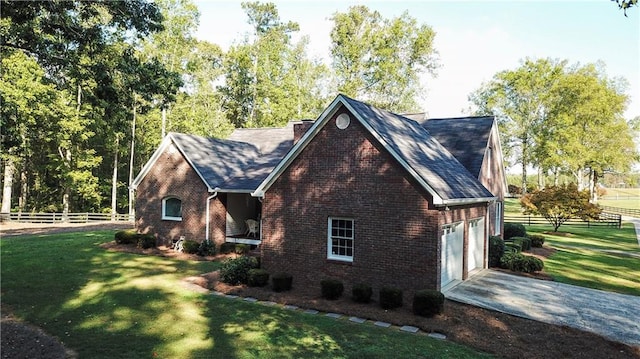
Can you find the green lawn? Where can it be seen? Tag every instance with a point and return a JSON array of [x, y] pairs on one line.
[[621, 203], [118, 305], [579, 258]]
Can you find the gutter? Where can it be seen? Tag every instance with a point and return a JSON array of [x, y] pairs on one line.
[[206, 236], [463, 201]]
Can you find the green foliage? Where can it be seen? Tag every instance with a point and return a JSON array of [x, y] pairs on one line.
[[381, 60], [190, 246], [428, 302], [518, 262], [146, 241], [523, 242], [558, 204], [496, 250], [128, 236], [331, 288], [537, 240], [390, 298], [237, 248], [258, 277], [361, 293], [514, 230], [281, 282], [235, 271], [207, 248]]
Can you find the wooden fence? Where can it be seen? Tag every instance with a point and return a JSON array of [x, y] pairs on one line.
[[25, 217], [606, 219], [631, 212]]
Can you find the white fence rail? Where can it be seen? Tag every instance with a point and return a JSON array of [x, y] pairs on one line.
[[25, 217]]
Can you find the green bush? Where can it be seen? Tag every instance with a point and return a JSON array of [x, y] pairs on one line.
[[207, 248], [128, 236], [390, 298], [518, 262], [258, 277], [510, 247], [235, 271], [523, 242], [331, 288], [146, 241], [281, 282], [428, 302], [361, 293], [190, 246], [242, 248], [496, 250], [514, 230], [537, 240], [227, 247]]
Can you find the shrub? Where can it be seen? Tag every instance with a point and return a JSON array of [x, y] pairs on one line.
[[128, 236], [428, 302], [361, 293], [514, 230], [537, 240], [258, 277], [496, 250], [227, 248], [281, 282], [207, 248], [190, 246], [146, 241], [523, 242], [518, 262], [390, 298], [511, 247], [331, 288], [235, 271], [242, 248]]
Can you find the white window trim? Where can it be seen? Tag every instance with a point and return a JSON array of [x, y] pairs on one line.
[[332, 256], [164, 209], [497, 219]]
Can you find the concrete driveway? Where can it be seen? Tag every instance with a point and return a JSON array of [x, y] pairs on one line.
[[615, 316]]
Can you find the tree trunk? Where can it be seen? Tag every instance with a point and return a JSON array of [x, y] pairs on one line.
[[593, 186], [133, 146], [164, 121], [114, 181], [541, 175], [24, 191], [556, 180], [7, 186], [524, 165]]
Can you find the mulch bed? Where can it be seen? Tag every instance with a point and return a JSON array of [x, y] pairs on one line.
[[488, 331]]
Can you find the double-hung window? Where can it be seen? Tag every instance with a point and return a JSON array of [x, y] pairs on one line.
[[172, 209], [340, 239], [498, 218]]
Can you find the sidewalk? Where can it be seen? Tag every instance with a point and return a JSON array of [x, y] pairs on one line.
[[636, 223]]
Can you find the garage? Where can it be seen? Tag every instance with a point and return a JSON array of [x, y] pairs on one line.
[[475, 253], [452, 253]]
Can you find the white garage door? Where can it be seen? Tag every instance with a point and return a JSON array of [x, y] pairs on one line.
[[451, 255], [475, 253]]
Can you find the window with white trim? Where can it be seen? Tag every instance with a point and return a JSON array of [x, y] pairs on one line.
[[498, 217], [340, 239], [172, 209]]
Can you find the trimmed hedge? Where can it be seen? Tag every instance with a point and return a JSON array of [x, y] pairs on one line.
[[237, 248], [258, 277], [128, 236], [331, 288], [190, 246], [361, 293], [514, 230], [146, 241], [496, 250], [518, 262], [537, 240], [281, 282], [390, 298], [236, 270], [428, 302], [207, 248]]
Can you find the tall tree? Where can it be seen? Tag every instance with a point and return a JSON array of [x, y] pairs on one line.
[[381, 60], [521, 98]]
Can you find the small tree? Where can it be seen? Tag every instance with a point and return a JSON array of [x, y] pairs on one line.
[[558, 204]]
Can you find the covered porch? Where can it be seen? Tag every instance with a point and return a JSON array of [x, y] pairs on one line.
[[244, 217]]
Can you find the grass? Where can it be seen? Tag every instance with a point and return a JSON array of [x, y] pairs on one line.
[[621, 203], [580, 259], [118, 305]]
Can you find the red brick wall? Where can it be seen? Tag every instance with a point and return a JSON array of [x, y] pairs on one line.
[[495, 182], [172, 176], [346, 173], [300, 128]]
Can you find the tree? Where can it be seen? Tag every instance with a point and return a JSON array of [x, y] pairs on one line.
[[626, 4], [559, 204], [521, 99], [381, 60]]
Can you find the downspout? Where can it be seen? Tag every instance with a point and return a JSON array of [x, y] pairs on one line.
[[206, 236]]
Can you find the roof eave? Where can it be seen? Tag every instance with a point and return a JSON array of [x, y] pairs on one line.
[[463, 201]]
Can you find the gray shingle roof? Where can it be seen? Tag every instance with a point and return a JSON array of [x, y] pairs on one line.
[[465, 137], [422, 152]]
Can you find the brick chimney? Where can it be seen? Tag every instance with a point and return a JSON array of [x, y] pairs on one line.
[[300, 128]]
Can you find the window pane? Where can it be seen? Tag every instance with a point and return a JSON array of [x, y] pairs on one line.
[[173, 207]]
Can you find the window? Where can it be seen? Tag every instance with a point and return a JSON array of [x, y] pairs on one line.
[[172, 209], [498, 218], [340, 239]]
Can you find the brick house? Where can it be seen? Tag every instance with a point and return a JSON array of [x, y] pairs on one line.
[[360, 194]]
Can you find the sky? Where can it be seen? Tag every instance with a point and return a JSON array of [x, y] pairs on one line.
[[474, 39]]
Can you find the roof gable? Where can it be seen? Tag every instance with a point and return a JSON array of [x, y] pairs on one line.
[[434, 168], [466, 138]]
